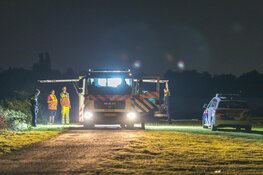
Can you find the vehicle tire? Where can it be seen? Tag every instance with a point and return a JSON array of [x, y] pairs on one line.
[[213, 127], [238, 128], [130, 126], [89, 126], [122, 125], [248, 128], [143, 125]]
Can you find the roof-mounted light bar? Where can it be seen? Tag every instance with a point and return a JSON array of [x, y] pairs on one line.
[[109, 71]]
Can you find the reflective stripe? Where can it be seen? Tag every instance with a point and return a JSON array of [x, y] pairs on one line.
[[138, 109], [81, 113], [141, 105], [135, 107], [147, 103]]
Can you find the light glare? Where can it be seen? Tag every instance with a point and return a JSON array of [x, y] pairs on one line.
[[114, 82], [131, 115]]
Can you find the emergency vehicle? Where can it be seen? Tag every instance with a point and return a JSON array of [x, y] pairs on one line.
[[227, 110], [116, 97]]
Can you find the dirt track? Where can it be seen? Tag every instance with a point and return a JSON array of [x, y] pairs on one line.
[[74, 152]]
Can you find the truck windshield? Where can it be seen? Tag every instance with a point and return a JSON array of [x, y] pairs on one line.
[[116, 86], [232, 104]]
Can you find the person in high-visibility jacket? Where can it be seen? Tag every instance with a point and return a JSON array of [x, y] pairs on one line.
[[65, 105], [52, 103]]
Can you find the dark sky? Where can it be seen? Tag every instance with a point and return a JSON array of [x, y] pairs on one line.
[[219, 36]]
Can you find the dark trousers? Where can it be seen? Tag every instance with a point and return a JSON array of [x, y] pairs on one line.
[[169, 115], [167, 106], [34, 112]]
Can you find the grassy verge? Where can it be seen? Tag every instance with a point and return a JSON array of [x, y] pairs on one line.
[[257, 132], [15, 140], [173, 152]]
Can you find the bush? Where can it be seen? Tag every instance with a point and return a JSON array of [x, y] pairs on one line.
[[2, 122], [13, 120], [20, 102]]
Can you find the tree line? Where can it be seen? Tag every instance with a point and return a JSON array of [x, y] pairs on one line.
[[189, 89]]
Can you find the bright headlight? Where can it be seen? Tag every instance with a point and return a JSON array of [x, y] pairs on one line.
[[88, 115], [131, 115]]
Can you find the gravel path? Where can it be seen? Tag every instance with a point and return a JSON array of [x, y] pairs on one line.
[[73, 152]]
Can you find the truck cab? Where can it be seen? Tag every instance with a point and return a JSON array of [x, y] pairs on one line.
[[109, 99]]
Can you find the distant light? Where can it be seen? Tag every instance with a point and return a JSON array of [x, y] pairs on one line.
[[137, 64], [114, 82], [180, 65]]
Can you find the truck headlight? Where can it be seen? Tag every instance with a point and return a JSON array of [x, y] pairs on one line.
[[131, 115], [88, 115]]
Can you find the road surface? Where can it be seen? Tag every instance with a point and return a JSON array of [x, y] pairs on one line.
[[73, 152]]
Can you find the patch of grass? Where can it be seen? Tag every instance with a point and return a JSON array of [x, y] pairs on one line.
[[257, 132], [177, 123], [54, 127], [195, 127], [172, 152], [15, 140]]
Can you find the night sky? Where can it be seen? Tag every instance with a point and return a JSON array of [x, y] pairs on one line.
[[218, 36]]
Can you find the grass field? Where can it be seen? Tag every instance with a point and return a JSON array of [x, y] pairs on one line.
[[15, 140], [182, 148], [188, 150]]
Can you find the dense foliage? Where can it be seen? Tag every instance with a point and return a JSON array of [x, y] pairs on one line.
[[13, 120]]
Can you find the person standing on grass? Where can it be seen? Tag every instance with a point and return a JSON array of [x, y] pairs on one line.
[[167, 101], [65, 105], [52, 103], [34, 107]]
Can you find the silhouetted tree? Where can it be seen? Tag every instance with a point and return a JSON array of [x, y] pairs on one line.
[[42, 68], [251, 84]]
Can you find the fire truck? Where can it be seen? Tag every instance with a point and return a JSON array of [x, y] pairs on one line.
[[115, 97]]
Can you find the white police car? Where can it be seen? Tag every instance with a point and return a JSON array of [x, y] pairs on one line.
[[226, 110]]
